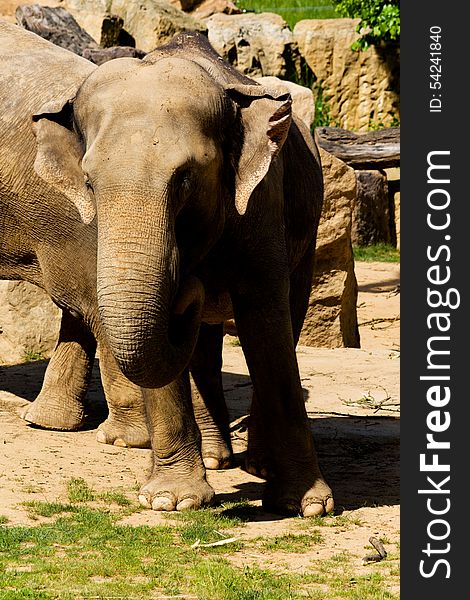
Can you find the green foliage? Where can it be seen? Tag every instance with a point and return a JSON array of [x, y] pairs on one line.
[[322, 109], [79, 491], [380, 20], [32, 356], [376, 125], [377, 253], [343, 521]]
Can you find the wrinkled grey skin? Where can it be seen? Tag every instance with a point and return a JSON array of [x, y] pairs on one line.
[[152, 200]]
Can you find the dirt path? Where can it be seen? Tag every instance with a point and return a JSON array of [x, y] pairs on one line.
[[352, 399]]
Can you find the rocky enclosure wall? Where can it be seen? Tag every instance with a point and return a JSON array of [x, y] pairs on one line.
[[359, 89], [29, 322]]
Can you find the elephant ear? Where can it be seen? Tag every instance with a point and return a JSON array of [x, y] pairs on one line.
[[59, 155], [266, 117]]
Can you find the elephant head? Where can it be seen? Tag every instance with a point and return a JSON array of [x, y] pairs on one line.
[[154, 150]]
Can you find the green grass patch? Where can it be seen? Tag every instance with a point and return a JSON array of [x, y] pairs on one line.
[[86, 553], [37, 508], [207, 526], [377, 253], [114, 498], [338, 577], [83, 551], [289, 542], [4, 520], [32, 356], [292, 11], [79, 491], [241, 511]]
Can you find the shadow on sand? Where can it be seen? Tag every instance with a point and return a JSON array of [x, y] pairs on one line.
[[359, 456]]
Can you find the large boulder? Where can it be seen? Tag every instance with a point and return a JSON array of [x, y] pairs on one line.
[[331, 319], [372, 221], [151, 23], [59, 27], [56, 25], [359, 89], [211, 7], [201, 9], [257, 44], [29, 322], [186, 5]]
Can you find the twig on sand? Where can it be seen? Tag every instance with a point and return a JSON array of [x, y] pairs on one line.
[[373, 322], [197, 543]]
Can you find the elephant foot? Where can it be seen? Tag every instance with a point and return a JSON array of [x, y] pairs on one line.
[[55, 412], [294, 497], [258, 461], [215, 460], [216, 453], [257, 465], [126, 435], [167, 493]]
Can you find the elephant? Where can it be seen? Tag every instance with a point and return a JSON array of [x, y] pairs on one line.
[[154, 199]]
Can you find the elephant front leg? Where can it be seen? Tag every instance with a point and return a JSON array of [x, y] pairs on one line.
[[209, 404], [60, 404], [178, 479], [295, 483], [126, 424]]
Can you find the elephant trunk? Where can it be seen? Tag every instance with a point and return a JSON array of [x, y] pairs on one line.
[[150, 318]]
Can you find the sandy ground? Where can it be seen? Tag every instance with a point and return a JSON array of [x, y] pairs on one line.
[[352, 400]]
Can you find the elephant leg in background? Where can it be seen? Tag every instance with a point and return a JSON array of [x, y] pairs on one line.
[[265, 330], [60, 403], [178, 478], [208, 399], [126, 424]]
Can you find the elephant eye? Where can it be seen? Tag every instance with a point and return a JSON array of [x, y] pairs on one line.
[[183, 180], [88, 184]]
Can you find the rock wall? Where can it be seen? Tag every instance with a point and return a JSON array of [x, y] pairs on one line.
[[151, 23], [29, 322], [371, 223], [360, 89], [331, 319], [257, 44]]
